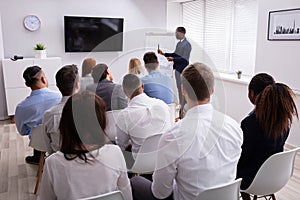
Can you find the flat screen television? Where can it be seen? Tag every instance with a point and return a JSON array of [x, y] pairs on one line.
[[93, 34]]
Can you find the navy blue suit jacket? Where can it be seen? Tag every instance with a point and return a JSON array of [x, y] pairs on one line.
[[181, 55]]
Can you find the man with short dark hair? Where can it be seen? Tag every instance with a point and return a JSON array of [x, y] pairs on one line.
[[144, 116], [180, 57], [157, 85], [103, 86], [201, 151], [29, 112], [67, 81]]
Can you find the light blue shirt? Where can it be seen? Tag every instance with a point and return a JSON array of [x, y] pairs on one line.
[[29, 113], [158, 85]]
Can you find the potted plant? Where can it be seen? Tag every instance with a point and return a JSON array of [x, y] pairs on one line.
[[239, 74], [40, 50]]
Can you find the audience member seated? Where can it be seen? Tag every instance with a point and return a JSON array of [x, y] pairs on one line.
[[266, 128], [68, 83], [85, 166], [111, 93], [135, 67], [86, 77], [144, 116], [29, 112], [201, 151], [157, 85]]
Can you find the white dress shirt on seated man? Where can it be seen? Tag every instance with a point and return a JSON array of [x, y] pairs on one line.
[[75, 179], [144, 116], [199, 152], [51, 121]]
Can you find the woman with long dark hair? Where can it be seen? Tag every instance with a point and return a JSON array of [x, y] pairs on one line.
[[85, 166], [266, 128]]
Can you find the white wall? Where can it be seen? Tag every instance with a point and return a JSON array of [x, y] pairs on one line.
[[139, 17], [279, 58], [17, 40]]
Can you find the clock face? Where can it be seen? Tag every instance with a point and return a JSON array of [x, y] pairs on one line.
[[32, 22]]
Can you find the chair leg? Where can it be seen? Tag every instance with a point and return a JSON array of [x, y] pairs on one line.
[[39, 172], [245, 196], [273, 196], [255, 197]]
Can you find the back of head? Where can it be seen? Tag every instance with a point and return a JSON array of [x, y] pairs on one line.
[[87, 66], [198, 81], [150, 60], [82, 123], [66, 79], [259, 82], [99, 72], [131, 85], [31, 75], [135, 66], [275, 108]]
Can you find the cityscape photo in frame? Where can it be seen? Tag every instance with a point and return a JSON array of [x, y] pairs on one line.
[[284, 25]]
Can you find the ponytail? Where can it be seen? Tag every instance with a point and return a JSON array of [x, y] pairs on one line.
[[275, 108]]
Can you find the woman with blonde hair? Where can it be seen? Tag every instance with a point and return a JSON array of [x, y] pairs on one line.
[[135, 67]]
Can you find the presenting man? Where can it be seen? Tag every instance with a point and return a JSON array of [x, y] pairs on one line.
[[180, 57]]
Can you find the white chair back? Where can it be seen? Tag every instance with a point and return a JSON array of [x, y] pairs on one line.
[[146, 157], [273, 174], [37, 140], [111, 129], [230, 191], [115, 195]]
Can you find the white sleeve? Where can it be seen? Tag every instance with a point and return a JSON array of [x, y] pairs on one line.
[[123, 180], [165, 173], [47, 121], [46, 187], [123, 139]]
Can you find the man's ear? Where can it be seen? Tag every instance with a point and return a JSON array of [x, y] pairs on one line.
[[77, 86], [43, 79], [183, 91], [212, 91]]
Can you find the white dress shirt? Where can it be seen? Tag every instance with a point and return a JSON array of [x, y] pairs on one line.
[[51, 121], [75, 179], [200, 151], [144, 116]]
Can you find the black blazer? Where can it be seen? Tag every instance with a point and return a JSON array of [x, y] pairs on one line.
[[256, 149]]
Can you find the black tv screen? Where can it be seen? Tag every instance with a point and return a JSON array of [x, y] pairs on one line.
[[87, 34]]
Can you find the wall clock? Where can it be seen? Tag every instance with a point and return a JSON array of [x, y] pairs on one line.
[[32, 22]]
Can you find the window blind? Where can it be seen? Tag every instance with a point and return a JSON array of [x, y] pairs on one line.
[[225, 30]]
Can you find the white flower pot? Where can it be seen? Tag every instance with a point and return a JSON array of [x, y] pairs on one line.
[[40, 54]]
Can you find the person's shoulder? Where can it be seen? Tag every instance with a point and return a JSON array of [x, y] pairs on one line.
[[55, 158], [110, 150], [54, 110], [249, 119], [54, 93]]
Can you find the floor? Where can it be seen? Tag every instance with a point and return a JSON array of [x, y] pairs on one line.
[[17, 179]]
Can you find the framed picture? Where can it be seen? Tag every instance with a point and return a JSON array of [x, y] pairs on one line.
[[284, 25]]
